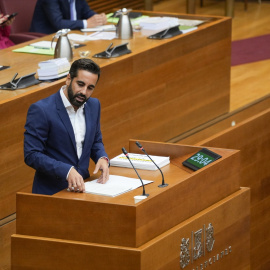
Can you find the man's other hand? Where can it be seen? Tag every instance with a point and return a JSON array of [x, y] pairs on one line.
[[97, 20], [103, 166], [75, 181]]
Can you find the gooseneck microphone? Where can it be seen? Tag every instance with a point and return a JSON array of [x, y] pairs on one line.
[[126, 154], [163, 182]]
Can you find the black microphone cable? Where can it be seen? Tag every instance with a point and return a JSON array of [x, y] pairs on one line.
[[126, 154], [163, 182]]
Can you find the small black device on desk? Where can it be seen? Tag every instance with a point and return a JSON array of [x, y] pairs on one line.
[[167, 33], [113, 51], [201, 159], [19, 83]]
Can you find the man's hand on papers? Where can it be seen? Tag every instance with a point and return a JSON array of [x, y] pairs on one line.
[[96, 20], [102, 165], [75, 181]]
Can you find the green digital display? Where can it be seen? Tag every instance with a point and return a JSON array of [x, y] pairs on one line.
[[201, 159]]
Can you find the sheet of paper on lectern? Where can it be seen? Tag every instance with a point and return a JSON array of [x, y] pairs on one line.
[[115, 186]]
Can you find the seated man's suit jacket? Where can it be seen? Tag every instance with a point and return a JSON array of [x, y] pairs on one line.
[[53, 15], [50, 147]]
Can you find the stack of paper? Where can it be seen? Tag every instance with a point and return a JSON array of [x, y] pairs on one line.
[[53, 69], [190, 22], [115, 186], [102, 36], [158, 23], [108, 27], [44, 44], [140, 161], [95, 36]]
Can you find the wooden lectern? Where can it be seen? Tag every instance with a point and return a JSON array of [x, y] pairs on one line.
[[200, 220]]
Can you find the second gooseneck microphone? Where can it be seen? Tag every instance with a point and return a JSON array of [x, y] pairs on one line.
[[126, 154], [163, 182]]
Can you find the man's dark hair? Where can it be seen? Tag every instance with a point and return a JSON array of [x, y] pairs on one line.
[[84, 64]]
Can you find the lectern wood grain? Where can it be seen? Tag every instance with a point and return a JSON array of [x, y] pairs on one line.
[[229, 219], [6, 230], [251, 135]]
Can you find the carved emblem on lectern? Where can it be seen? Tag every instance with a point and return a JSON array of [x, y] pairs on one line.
[[184, 254], [195, 247], [198, 246], [210, 240], [201, 240]]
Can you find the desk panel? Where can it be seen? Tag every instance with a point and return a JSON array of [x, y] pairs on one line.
[[229, 219]]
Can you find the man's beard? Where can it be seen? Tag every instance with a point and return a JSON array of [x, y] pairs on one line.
[[72, 98]]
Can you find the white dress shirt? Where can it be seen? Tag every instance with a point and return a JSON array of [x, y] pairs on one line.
[[73, 7], [77, 119]]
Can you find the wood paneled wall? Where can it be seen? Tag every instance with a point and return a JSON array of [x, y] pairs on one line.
[[6, 230], [252, 138], [108, 5]]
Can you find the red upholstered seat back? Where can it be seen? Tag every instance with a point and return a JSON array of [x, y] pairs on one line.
[[25, 9]]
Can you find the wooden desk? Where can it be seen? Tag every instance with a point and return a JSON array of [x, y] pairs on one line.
[[155, 93]]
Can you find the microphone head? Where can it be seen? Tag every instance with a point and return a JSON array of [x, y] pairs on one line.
[[138, 144], [124, 151]]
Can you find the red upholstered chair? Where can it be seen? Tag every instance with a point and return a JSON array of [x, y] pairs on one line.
[[21, 25]]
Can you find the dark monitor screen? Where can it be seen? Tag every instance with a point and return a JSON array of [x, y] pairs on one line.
[[201, 159]]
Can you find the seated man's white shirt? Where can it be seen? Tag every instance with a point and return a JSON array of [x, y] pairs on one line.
[[75, 13]]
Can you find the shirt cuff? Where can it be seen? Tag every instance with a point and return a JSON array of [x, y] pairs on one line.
[[106, 159], [84, 24], [69, 172]]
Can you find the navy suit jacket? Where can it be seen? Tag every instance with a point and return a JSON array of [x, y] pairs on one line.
[[50, 147], [53, 15]]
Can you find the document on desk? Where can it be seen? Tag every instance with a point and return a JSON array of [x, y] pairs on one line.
[[189, 22], [102, 35], [31, 49], [115, 186], [43, 44], [158, 23], [108, 27], [94, 36]]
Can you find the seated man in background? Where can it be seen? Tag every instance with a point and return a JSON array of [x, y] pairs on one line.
[[53, 15]]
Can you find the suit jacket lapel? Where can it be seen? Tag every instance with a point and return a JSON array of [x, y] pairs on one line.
[[65, 118]]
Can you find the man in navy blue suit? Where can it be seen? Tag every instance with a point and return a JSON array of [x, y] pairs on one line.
[[62, 133], [53, 15]]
